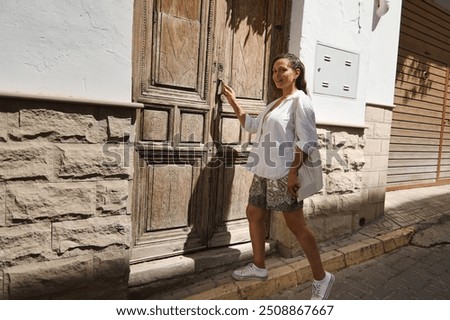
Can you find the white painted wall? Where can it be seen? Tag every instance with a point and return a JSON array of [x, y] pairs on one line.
[[347, 25], [383, 56], [67, 48]]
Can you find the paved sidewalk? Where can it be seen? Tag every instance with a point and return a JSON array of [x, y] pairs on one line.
[[408, 213]]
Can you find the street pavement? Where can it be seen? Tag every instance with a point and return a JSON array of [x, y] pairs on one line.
[[409, 273], [420, 270]]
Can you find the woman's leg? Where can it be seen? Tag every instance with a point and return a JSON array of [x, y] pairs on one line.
[[257, 226], [295, 221]]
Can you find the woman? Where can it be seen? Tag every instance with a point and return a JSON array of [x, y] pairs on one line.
[[285, 135]]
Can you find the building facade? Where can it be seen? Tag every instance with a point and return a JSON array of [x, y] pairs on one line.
[[121, 167]]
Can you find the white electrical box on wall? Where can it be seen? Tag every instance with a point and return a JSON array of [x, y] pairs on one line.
[[336, 72]]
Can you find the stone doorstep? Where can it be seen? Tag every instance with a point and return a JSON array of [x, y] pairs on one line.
[[193, 272], [284, 274]]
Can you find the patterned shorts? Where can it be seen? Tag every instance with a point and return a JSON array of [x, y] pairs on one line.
[[272, 194]]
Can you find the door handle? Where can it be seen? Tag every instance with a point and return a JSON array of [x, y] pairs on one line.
[[219, 89], [218, 102]]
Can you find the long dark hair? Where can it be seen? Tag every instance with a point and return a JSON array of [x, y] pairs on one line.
[[295, 63]]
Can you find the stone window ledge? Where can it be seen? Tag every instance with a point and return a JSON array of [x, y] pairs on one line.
[[105, 103]]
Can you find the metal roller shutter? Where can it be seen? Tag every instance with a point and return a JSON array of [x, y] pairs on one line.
[[420, 136]]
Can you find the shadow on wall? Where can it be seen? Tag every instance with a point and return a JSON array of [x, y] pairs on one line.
[[413, 75], [242, 15]]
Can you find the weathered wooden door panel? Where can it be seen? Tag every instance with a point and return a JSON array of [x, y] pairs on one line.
[[169, 196], [171, 51], [170, 207], [177, 59], [250, 48], [191, 188]]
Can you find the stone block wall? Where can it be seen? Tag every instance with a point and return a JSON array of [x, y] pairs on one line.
[[354, 171], [65, 174], [377, 135]]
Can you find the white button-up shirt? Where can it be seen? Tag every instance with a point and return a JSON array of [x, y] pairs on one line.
[[289, 124]]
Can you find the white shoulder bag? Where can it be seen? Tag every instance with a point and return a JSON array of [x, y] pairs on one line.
[[310, 173], [310, 176]]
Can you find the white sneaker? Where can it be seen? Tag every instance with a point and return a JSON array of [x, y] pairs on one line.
[[321, 289], [250, 272]]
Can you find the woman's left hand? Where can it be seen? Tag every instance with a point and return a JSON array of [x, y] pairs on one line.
[[292, 184]]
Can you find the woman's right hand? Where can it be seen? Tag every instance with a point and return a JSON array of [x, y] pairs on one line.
[[229, 93], [292, 184]]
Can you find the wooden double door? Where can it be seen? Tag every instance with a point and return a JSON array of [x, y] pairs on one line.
[[190, 187]]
